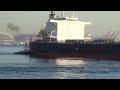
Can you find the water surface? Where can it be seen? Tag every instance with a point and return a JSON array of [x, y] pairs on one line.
[[31, 67]]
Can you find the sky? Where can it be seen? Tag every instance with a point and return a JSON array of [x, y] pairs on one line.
[[31, 21]]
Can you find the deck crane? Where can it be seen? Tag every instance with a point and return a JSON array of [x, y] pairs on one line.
[[112, 35], [116, 35], [107, 35]]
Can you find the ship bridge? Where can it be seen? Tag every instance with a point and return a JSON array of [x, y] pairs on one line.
[[64, 28]]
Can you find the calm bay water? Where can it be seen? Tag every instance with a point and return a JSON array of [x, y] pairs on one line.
[[30, 67]]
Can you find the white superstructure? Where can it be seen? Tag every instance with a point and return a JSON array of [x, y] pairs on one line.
[[65, 28]]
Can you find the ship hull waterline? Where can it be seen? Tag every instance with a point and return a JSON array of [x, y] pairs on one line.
[[94, 56], [97, 51]]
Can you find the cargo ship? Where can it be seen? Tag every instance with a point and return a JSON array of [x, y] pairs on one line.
[[63, 36]]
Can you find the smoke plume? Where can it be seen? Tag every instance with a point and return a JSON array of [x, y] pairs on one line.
[[13, 28]]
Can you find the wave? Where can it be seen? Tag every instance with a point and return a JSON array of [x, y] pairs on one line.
[[6, 53]]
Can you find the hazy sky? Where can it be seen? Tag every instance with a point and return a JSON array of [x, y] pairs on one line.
[[30, 21]]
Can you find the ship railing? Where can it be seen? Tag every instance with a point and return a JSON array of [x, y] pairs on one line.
[[41, 41], [77, 42]]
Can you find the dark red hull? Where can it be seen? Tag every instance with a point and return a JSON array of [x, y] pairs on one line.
[[97, 51], [97, 56]]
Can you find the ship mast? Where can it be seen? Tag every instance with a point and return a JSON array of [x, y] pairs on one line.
[[63, 14], [73, 14]]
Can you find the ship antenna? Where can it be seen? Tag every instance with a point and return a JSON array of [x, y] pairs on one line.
[[62, 13], [73, 14]]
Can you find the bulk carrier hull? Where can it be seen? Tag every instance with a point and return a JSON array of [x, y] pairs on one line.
[[97, 51], [64, 36]]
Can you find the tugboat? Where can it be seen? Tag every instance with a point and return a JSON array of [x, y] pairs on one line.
[[26, 51]]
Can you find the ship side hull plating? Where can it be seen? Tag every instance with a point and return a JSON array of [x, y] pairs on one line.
[[98, 51]]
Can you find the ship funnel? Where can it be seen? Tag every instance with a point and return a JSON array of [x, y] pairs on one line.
[[52, 13]]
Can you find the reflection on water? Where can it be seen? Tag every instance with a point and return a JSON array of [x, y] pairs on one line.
[[67, 61], [27, 59], [14, 59], [58, 61]]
